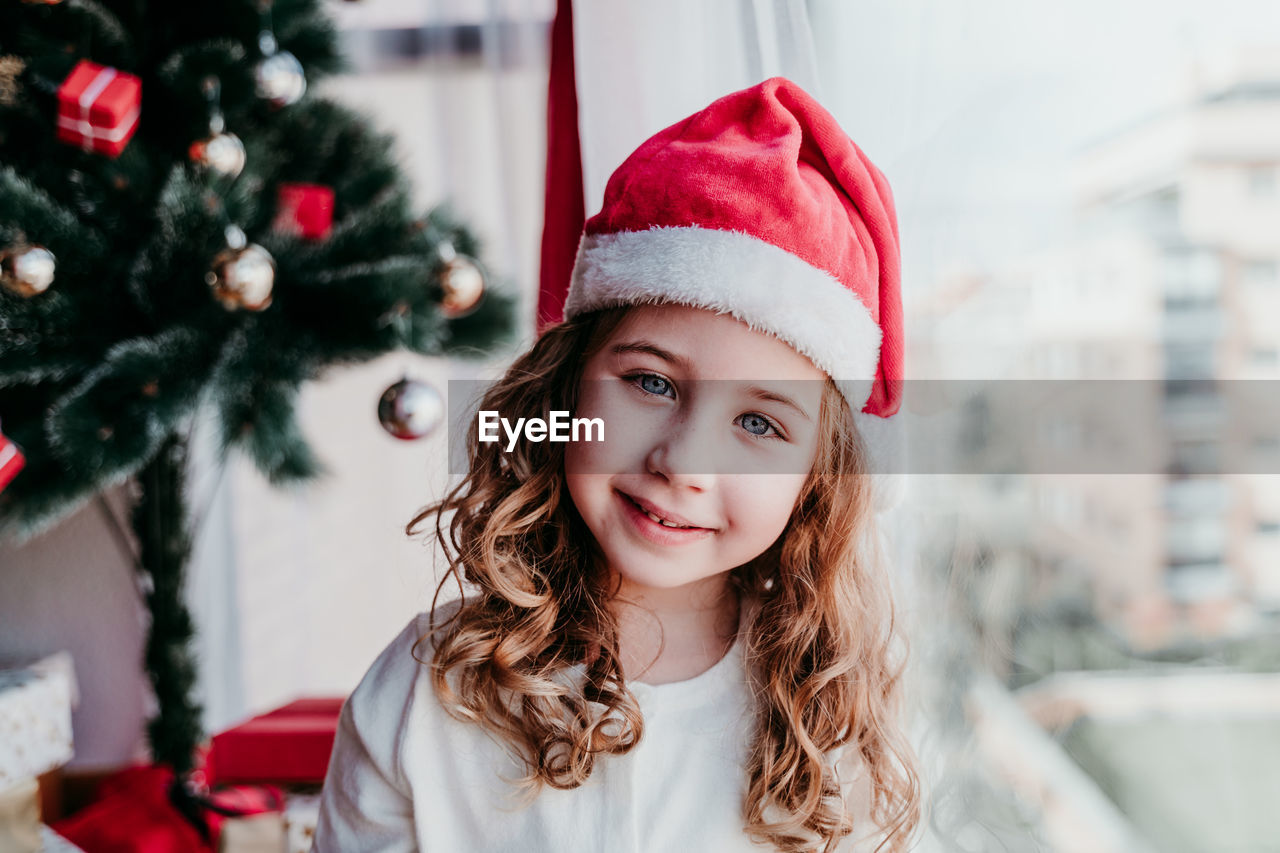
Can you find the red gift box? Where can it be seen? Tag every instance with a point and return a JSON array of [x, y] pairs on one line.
[[305, 210], [11, 461], [132, 813], [98, 108], [290, 745]]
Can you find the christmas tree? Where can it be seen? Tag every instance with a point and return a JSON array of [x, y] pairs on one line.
[[184, 229]]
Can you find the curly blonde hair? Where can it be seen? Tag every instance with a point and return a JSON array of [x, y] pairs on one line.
[[825, 660]]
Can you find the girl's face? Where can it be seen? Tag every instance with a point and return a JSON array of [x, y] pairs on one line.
[[707, 424]]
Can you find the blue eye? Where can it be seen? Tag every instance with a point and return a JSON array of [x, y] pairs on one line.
[[753, 421], [756, 424], [650, 383]]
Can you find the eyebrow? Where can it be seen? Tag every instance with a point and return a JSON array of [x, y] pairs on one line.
[[651, 349], [765, 394], [683, 363]]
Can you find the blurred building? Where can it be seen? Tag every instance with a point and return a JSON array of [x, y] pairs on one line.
[[1081, 546], [1200, 188], [1171, 283]]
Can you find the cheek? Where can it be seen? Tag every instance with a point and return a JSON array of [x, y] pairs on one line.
[[579, 488], [761, 505], [630, 431], [591, 496]]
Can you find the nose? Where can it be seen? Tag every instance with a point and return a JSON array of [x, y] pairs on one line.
[[684, 455]]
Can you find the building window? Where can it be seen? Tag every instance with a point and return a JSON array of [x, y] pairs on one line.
[[1189, 360], [1194, 457], [1195, 540], [1261, 181], [1262, 272], [1199, 581], [1190, 276], [1266, 357]]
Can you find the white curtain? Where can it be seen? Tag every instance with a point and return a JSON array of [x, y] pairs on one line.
[[643, 66]]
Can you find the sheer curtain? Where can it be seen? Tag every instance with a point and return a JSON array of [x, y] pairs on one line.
[[644, 66], [622, 72]]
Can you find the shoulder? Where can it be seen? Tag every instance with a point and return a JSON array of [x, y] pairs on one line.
[[390, 694], [404, 659]]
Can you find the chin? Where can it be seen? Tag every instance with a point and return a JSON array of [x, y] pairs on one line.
[[656, 577]]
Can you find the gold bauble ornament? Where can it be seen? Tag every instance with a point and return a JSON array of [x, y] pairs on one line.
[[242, 276], [462, 281], [11, 68], [222, 153], [27, 270]]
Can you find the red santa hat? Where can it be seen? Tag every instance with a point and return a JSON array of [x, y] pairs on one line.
[[761, 207]]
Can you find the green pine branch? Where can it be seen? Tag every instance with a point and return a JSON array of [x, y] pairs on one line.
[[102, 374]]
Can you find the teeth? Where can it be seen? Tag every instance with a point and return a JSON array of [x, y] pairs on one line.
[[663, 521]]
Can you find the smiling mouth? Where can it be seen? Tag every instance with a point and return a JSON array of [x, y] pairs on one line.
[[659, 519]]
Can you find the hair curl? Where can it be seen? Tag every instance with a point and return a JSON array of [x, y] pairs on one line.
[[534, 656]]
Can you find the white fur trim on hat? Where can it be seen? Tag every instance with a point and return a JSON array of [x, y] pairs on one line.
[[764, 286]]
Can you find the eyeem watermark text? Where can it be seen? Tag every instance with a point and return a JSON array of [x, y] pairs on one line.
[[560, 427]]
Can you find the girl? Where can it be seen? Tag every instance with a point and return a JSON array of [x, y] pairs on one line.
[[679, 637]]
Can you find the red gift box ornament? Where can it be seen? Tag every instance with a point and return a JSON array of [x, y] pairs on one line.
[[290, 745], [305, 210], [11, 461], [98, 108]]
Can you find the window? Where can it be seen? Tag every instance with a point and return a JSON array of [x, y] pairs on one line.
[[1264, 357], [1261, 181], [1189, 360], [1199, 539], [1199, 581], [1191, 275], [1263, 272]]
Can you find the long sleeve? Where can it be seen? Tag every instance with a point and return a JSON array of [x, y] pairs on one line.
[[365, 805]]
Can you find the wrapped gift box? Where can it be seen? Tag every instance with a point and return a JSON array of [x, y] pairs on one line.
[[290, 745], [259, 833], [305, 210], [290, 830], [35, 718], [11, 461], [98, 108], [20, 818], [133, 813], [55, 843], [301, 814]]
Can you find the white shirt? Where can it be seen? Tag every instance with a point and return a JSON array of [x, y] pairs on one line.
[[405, 776]]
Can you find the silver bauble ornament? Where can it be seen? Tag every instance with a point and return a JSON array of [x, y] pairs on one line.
[[27, 270], [243, 277], [280, 79], [222, 153], [410, 409], [462, 281]]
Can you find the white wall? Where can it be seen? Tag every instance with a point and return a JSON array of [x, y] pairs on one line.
[[73, 589]]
